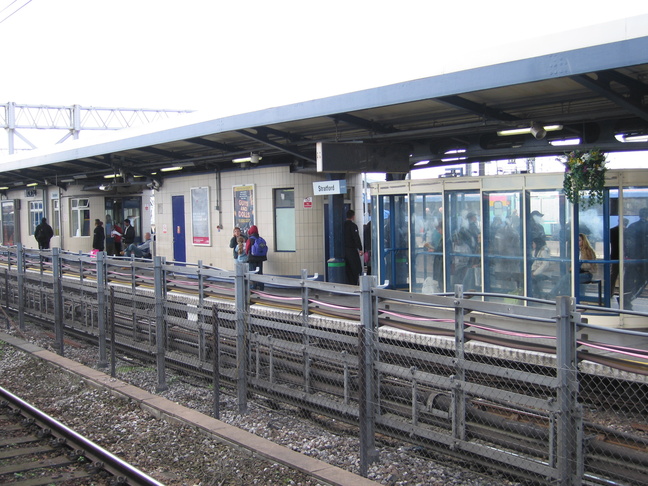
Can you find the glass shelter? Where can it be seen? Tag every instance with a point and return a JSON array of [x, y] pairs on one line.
[[515, 235]]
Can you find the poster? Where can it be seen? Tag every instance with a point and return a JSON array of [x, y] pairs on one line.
[[200, 221], [244, 207]]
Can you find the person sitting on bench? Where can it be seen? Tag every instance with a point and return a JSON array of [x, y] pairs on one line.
[[143, 250]]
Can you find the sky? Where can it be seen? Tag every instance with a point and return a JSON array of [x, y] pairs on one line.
[[230, 56]]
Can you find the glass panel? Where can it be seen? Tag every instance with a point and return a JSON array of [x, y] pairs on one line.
[[35, 215], [591, 243], [285, 238], [504, 269], [548, 245], [80, 209], [635, 248], [463, 249], [394, 241], [8, 228], [427, 243], [56, 217]]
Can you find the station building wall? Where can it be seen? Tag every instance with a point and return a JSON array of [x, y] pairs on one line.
[[309, 221]]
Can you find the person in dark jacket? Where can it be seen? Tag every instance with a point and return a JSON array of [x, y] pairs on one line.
[[234, 243], [99, 238], [43, 234], [352, 249], [129, 234], [254, 262]]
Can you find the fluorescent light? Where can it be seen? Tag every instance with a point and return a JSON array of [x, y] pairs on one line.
[[421, 162], [253, 158], [621, 137], [80, 176], [170, 169], [455, 151], [567, 141], [111, 176], [454, 159], [33, 184], [4, 188], [525, 130]]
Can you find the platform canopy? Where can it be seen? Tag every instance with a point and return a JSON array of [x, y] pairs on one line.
[[597, 94]]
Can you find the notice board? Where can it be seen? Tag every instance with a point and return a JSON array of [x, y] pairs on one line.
[[244, 207]]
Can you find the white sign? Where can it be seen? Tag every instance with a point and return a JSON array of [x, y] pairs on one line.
[[325, 188], [308, 202]]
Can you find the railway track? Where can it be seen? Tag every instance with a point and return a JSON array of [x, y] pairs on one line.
[[36, 449]]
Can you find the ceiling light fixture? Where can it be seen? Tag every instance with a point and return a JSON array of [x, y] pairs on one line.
[[33, 184], [566, 141], [538, 128], [170, 169]]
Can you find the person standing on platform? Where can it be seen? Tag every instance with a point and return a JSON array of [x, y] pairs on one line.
[[352, 249], [256, 250], [43, 234], [116, 233], [99, 236], [234, 241], [129, 234]]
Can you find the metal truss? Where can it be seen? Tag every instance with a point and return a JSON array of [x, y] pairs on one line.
[[15, 118]]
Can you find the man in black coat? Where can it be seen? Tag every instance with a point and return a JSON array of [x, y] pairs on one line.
[[352, 249], [43, 234]]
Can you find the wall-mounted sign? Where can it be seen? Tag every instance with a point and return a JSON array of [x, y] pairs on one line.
[[200, 216], [308, 202], [244, 207], [325, 188]]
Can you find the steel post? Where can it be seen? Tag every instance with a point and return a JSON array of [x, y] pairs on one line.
[[160, 335], [242, 314], [568, 423], [20, 257], [458, 395], [101, 308], [366, 358], [57, 285]]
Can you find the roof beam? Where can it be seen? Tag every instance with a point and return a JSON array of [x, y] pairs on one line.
[[212, 144], [275, 145], [163, 153], [370, 125], [604, 90], [477, 109]]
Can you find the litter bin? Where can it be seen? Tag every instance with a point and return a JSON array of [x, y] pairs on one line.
[[336, 270]]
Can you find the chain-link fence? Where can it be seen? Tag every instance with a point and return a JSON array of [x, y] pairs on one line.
[[531, 390]]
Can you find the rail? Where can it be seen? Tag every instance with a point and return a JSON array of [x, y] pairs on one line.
[[522, 388]]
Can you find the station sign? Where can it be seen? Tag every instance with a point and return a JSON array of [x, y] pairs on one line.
[[325, 188]]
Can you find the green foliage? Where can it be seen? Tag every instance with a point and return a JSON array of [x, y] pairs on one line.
[[584, 180]]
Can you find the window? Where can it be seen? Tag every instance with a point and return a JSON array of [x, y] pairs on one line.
[[56, 217], [80, 217], [284, 203], [35, 215], [8, 222]]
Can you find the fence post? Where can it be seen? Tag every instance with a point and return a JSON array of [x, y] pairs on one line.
[[20, 257], [305, 336], [58, 301], [568, 427], [160, 335], [101, 307], [366, 358], [216, 362], [458, 395], [242, 312]]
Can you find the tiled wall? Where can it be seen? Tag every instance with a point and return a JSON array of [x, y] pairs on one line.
[[309, 221]]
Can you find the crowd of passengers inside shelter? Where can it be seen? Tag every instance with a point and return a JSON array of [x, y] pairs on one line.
[[484, 240]]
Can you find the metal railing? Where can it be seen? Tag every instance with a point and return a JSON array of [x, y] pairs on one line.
[[528, 389]]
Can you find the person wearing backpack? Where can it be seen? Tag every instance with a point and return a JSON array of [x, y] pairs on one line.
[[256, 250]]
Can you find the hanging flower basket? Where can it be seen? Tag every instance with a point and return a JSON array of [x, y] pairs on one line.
[[584, 177]]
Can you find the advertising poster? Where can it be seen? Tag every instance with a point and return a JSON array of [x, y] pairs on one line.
[[244, 207], [200, 216]]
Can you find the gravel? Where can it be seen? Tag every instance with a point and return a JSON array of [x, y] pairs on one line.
[[178, 455]]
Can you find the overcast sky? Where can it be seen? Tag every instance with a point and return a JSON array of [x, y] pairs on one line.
[[232, 56]]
